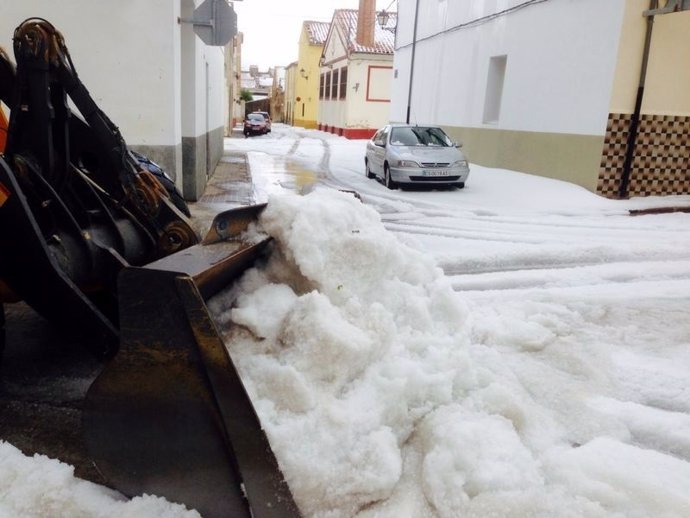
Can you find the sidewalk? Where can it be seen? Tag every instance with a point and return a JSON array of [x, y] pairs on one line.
[[229, 186], [230, 182]]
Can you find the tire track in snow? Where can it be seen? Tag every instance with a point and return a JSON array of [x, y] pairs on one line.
[[575, 275], [473, 268]]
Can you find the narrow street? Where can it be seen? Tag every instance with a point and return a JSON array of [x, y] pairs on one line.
[[544, 325]]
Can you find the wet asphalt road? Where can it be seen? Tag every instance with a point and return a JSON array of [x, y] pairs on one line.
[[44, 376]]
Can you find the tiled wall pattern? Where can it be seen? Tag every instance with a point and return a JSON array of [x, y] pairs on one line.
[[661, 164]]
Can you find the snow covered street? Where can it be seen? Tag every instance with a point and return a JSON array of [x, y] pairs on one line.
[[517, 348], [554, 382]]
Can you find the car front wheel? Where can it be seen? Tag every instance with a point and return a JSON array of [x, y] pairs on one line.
[[387, 178]]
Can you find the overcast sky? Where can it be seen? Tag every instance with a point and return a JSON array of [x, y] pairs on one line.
[[272, 27]]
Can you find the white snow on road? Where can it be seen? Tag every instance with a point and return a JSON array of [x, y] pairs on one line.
[[517, 348], [39, 487], [544, 374]]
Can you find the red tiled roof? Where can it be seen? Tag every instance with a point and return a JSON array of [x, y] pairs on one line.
[[384, 37], [317, 32]]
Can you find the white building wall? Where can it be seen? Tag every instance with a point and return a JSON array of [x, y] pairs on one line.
[[128, 68], [556, 80], [367, 104], [335, 50], [203, 82], [152, 76], [333, 112], [203, 108], [369, 93]]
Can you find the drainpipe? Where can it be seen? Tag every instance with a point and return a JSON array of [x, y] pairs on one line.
[[414, 44], [635, 120]]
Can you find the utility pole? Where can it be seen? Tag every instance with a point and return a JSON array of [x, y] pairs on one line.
[[414, 45], [635, 119]]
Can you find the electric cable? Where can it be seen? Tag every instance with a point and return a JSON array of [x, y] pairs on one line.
[[474, 23]]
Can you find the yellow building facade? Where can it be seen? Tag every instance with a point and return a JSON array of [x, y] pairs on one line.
[[288, 107], [305, 103]]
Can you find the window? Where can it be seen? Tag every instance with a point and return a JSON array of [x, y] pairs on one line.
[[420, 136], [327, 94], [494, 89], [384, 134], [334, 91], [343, 82], [321, 83]]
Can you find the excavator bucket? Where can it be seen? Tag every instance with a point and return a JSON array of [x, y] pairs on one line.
[[169, 414]]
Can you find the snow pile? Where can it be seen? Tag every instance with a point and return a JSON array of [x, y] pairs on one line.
[[349, 338], [41, 487], [383, 394]]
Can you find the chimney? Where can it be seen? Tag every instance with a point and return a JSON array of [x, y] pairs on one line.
[[366, 21]]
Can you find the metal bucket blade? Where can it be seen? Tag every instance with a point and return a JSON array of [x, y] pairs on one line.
[[233, 222], [169, 415]]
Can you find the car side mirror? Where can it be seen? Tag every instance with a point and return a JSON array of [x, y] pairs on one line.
[[458, 144]]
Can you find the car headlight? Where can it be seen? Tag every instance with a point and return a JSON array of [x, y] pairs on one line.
[[406, 163], [460, 163]]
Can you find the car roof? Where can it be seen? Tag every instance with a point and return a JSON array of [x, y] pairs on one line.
[[396, 125]]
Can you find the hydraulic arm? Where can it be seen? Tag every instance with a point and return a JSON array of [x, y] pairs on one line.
[[78, 205]]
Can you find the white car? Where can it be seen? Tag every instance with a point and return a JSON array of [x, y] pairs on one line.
[[415, 155]]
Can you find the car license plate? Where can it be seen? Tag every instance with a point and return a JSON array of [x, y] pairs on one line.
[[439, 172]]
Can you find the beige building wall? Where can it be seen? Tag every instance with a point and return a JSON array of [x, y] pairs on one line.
[[668, 73], [562, 156], [233, 66], [661, 157]]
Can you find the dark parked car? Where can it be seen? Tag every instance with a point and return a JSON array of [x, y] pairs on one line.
[[255, 124], [267, 117], [415, 155]]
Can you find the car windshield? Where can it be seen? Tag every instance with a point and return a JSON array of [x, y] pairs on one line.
[[255, 117], [419, 136]]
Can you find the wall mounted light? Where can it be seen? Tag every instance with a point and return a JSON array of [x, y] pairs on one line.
[[356, 87], [382, 18], [303, 73]]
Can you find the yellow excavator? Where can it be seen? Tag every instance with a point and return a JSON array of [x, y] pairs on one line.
[[97, 239]]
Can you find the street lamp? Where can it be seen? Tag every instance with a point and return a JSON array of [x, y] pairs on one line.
[[382, 18]]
